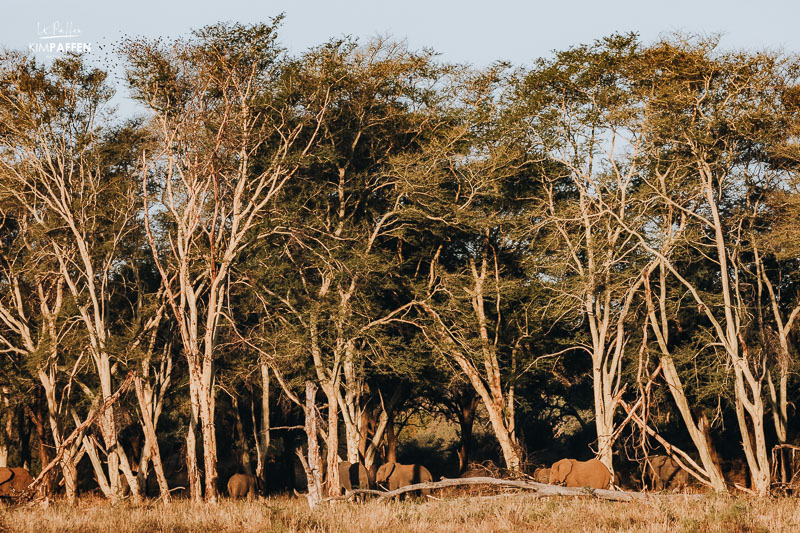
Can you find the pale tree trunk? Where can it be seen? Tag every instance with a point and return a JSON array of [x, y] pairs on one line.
[[332, 462], [697, 431], [97, 465], [87, 278], [778, 384], [209, 440], [111, 486], [70, 472], [312, 465], [192, 469], [597, 254], [493, 402], [151, 440], [50, 300], [262, 434], [350, 404], [728, 330], [151, 387], [7, 428], [501, 408], [608, 334], [370, 445], [67, 463], [488, 386], [66, 194], [329, 380], [748, 398]]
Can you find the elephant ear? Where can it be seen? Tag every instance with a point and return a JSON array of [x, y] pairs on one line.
[[561, 470], [5, 475], [385, 472]]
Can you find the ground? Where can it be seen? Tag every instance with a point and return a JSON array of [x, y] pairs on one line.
[[509, 512]]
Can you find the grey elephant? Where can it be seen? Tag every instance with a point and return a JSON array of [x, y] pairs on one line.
[[13, 481], [664, 473], [394, 476], [541, 475], [352, 476], [574, 473], [241, 485]]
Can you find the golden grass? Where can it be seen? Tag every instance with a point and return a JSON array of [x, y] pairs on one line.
[[513, 512]]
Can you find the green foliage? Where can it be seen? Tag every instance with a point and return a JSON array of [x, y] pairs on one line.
[[508, 207]]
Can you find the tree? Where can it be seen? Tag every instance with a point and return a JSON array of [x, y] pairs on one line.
[[59, 172], [341, 216], [577, 114], [229, 131], [711, 132]]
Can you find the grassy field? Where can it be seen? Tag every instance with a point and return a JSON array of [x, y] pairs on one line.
[[512, 512]]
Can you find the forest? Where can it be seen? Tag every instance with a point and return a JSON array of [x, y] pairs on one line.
[[594, 255]]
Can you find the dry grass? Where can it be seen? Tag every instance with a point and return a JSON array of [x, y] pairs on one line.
[[513, 512]]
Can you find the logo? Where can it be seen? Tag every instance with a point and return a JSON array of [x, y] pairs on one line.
[[58, 37]]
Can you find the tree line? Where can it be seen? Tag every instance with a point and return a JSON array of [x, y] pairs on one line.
[[597, 251]]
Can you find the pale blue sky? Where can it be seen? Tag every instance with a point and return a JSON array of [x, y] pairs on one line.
[[474, 31]]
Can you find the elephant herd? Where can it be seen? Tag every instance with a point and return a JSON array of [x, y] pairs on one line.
[[352, 476], [392, 476], [661, 473]]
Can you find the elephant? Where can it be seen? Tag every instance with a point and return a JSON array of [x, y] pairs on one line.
[[665, 473], [14, 481], [541, 475], [352, 476], [241, 485], [574, 473], [394, 476]]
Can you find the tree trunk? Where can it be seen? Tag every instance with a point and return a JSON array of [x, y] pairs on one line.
[[753, 438], [37, 416], [351, 430], [193, 473], [351, 402], [244, 458], [7, 427], [70, 473], [99, 474], [312, 466], [262, 435], [603, 418], [209, 444], [700, 432], [151, 443], [332, 462], [466, 418]]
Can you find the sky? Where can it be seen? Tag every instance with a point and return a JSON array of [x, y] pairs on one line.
[[465, 31]]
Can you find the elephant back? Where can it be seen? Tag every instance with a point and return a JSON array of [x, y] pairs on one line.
[[14, 480], [353, 476]]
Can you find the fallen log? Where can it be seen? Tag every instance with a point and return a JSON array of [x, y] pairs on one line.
[[542, 489]]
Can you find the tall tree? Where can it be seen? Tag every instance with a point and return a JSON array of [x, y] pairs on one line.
[[712, 127], [223, 107], [60, 171], [342, 217], [578, 113]]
